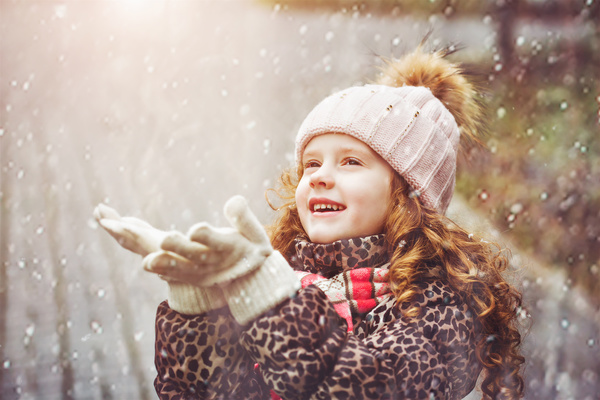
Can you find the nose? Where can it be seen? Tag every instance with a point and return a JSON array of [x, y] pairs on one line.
[[322, 178]]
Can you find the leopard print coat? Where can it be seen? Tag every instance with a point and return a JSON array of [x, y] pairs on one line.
[[301, 349]]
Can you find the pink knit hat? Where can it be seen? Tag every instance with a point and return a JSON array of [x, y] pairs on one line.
[[407, 126]]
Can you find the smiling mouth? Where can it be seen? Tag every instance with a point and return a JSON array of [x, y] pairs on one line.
[[323, 208]]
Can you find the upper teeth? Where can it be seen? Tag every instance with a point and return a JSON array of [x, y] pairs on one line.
[[327, 207]]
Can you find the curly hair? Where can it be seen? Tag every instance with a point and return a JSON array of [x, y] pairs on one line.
[[424, 244]]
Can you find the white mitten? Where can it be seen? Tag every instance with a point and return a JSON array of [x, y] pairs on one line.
[[131, 233], [254, 278], [214, 256], [142, 238]]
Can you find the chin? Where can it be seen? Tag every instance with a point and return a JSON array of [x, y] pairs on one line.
[[320, 240], [324, 238]]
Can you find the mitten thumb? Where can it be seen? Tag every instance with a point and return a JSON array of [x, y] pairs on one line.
[[240, 217]]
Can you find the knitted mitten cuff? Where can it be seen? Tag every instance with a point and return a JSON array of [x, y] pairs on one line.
[[191, 300], [262, 289]]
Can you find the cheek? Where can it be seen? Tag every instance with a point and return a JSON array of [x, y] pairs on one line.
[[374, 194], [377, 204], [300, 192], [301, 197]]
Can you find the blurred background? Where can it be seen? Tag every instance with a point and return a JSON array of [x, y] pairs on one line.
[[164, 109]]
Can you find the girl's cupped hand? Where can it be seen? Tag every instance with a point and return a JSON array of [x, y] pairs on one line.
[[211, 256], [131, 233]]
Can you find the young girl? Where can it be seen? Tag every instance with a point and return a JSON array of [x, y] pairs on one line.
[[364, 289]]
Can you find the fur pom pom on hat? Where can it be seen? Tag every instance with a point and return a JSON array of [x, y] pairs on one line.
[[413, 118]]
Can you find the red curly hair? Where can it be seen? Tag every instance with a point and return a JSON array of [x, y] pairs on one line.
[[424, 244]]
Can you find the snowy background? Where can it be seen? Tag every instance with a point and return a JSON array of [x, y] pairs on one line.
[[163, 110]]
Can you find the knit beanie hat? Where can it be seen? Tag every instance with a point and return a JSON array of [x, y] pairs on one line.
[[413, 118]]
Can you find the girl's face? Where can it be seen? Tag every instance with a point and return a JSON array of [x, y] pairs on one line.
[[344, 191]]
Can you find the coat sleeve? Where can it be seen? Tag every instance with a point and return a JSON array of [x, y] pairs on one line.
[[304, 351], [198, 353], [200, 357]]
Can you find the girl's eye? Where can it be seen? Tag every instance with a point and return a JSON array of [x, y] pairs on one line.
[[312, 164], [352, 161]]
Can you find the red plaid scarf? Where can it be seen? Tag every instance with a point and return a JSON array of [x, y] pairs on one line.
[[356, 273]]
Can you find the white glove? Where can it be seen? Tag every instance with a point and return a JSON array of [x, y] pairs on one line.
[[214, 256], [131, 233]]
